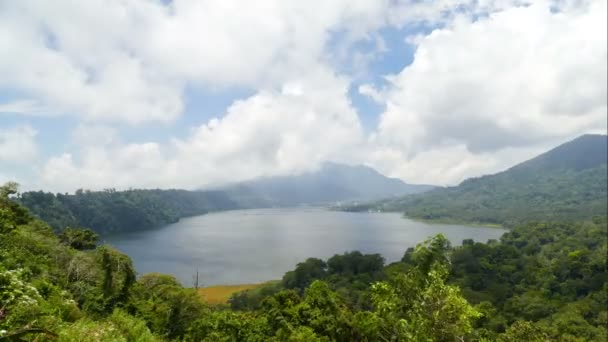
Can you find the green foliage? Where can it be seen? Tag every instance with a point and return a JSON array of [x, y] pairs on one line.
[[14, 291], [564, 195], [8, 189], [304, 274], [524, 331], [419, 305], [131, 328], [80, 239], [122, 211], [228, 326], [350, 274], [540, 282], [552, 274], [11, 214], [250, 300], [50, 290], [168, 308], [118, 277], [119, 327], [568, 183]]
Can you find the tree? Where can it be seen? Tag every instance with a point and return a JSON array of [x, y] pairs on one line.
[[80, 239], [9, 188], [11, 214], [524, 331], [118, 277], [419, 305], [305, 273], [168, 308]]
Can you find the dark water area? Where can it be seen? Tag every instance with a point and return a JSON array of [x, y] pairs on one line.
[[248, 246]]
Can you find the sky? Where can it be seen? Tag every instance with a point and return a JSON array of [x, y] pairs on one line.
[[195, 93]]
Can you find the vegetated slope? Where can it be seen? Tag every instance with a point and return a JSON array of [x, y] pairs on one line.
[[331, 183], [123, 211], [540, 282], [566, 183]]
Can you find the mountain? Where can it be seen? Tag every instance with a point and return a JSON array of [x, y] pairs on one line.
[[566, 183], [331, 183], [122, 211]]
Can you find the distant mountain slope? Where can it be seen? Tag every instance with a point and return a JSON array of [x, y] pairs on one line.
[[331, 183], [585, 152], [567, 183], [123, 211]]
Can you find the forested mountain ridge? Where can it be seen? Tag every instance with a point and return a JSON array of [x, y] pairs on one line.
[[585, 152], [541, 282], [331, 183], [122, 211], [568, 182]]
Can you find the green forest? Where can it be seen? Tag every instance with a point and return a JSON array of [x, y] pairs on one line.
[[568, 183], [122, 211], [543, 281]]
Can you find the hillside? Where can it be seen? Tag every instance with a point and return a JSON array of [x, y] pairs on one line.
[[121, 211], [331, 183], [566, 183], [66, 288]]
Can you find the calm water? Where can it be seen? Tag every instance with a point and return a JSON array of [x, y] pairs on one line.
[[245, 246]]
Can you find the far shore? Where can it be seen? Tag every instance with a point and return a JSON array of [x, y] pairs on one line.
[[456, 222]]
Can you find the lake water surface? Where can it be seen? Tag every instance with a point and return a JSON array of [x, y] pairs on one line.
[[246, 246]]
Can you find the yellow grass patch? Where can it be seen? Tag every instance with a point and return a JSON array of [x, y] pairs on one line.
[[221, 293]]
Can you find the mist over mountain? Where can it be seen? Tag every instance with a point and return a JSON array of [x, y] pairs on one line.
[[139, 209], [566, 183], [331, 183]]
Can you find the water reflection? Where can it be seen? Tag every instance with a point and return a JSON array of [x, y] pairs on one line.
[[246, 246]]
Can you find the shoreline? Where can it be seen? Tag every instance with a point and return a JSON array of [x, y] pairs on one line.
[[456, 222], [220, 294]]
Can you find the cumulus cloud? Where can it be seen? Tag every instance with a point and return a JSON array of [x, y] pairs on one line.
[[18, 144], [495, 83], [99, 135], [129, 61], [448, 165], [276, 131], [98, 167], [371, 92], [27, 107], [522, 77]]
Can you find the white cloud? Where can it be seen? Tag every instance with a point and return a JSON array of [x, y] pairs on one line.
[[495, 85], [372, 92], [448, 165], [129, 61], [18, 144], [138, 165], [97, 135], [520, 78], [24, 107], [275, 131]]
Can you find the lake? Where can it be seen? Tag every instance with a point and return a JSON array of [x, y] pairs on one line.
[[248, 246]]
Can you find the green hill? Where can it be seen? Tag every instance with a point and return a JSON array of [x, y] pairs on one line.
[[329, 184], [566, 183], [122, 211], [540, 282]]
